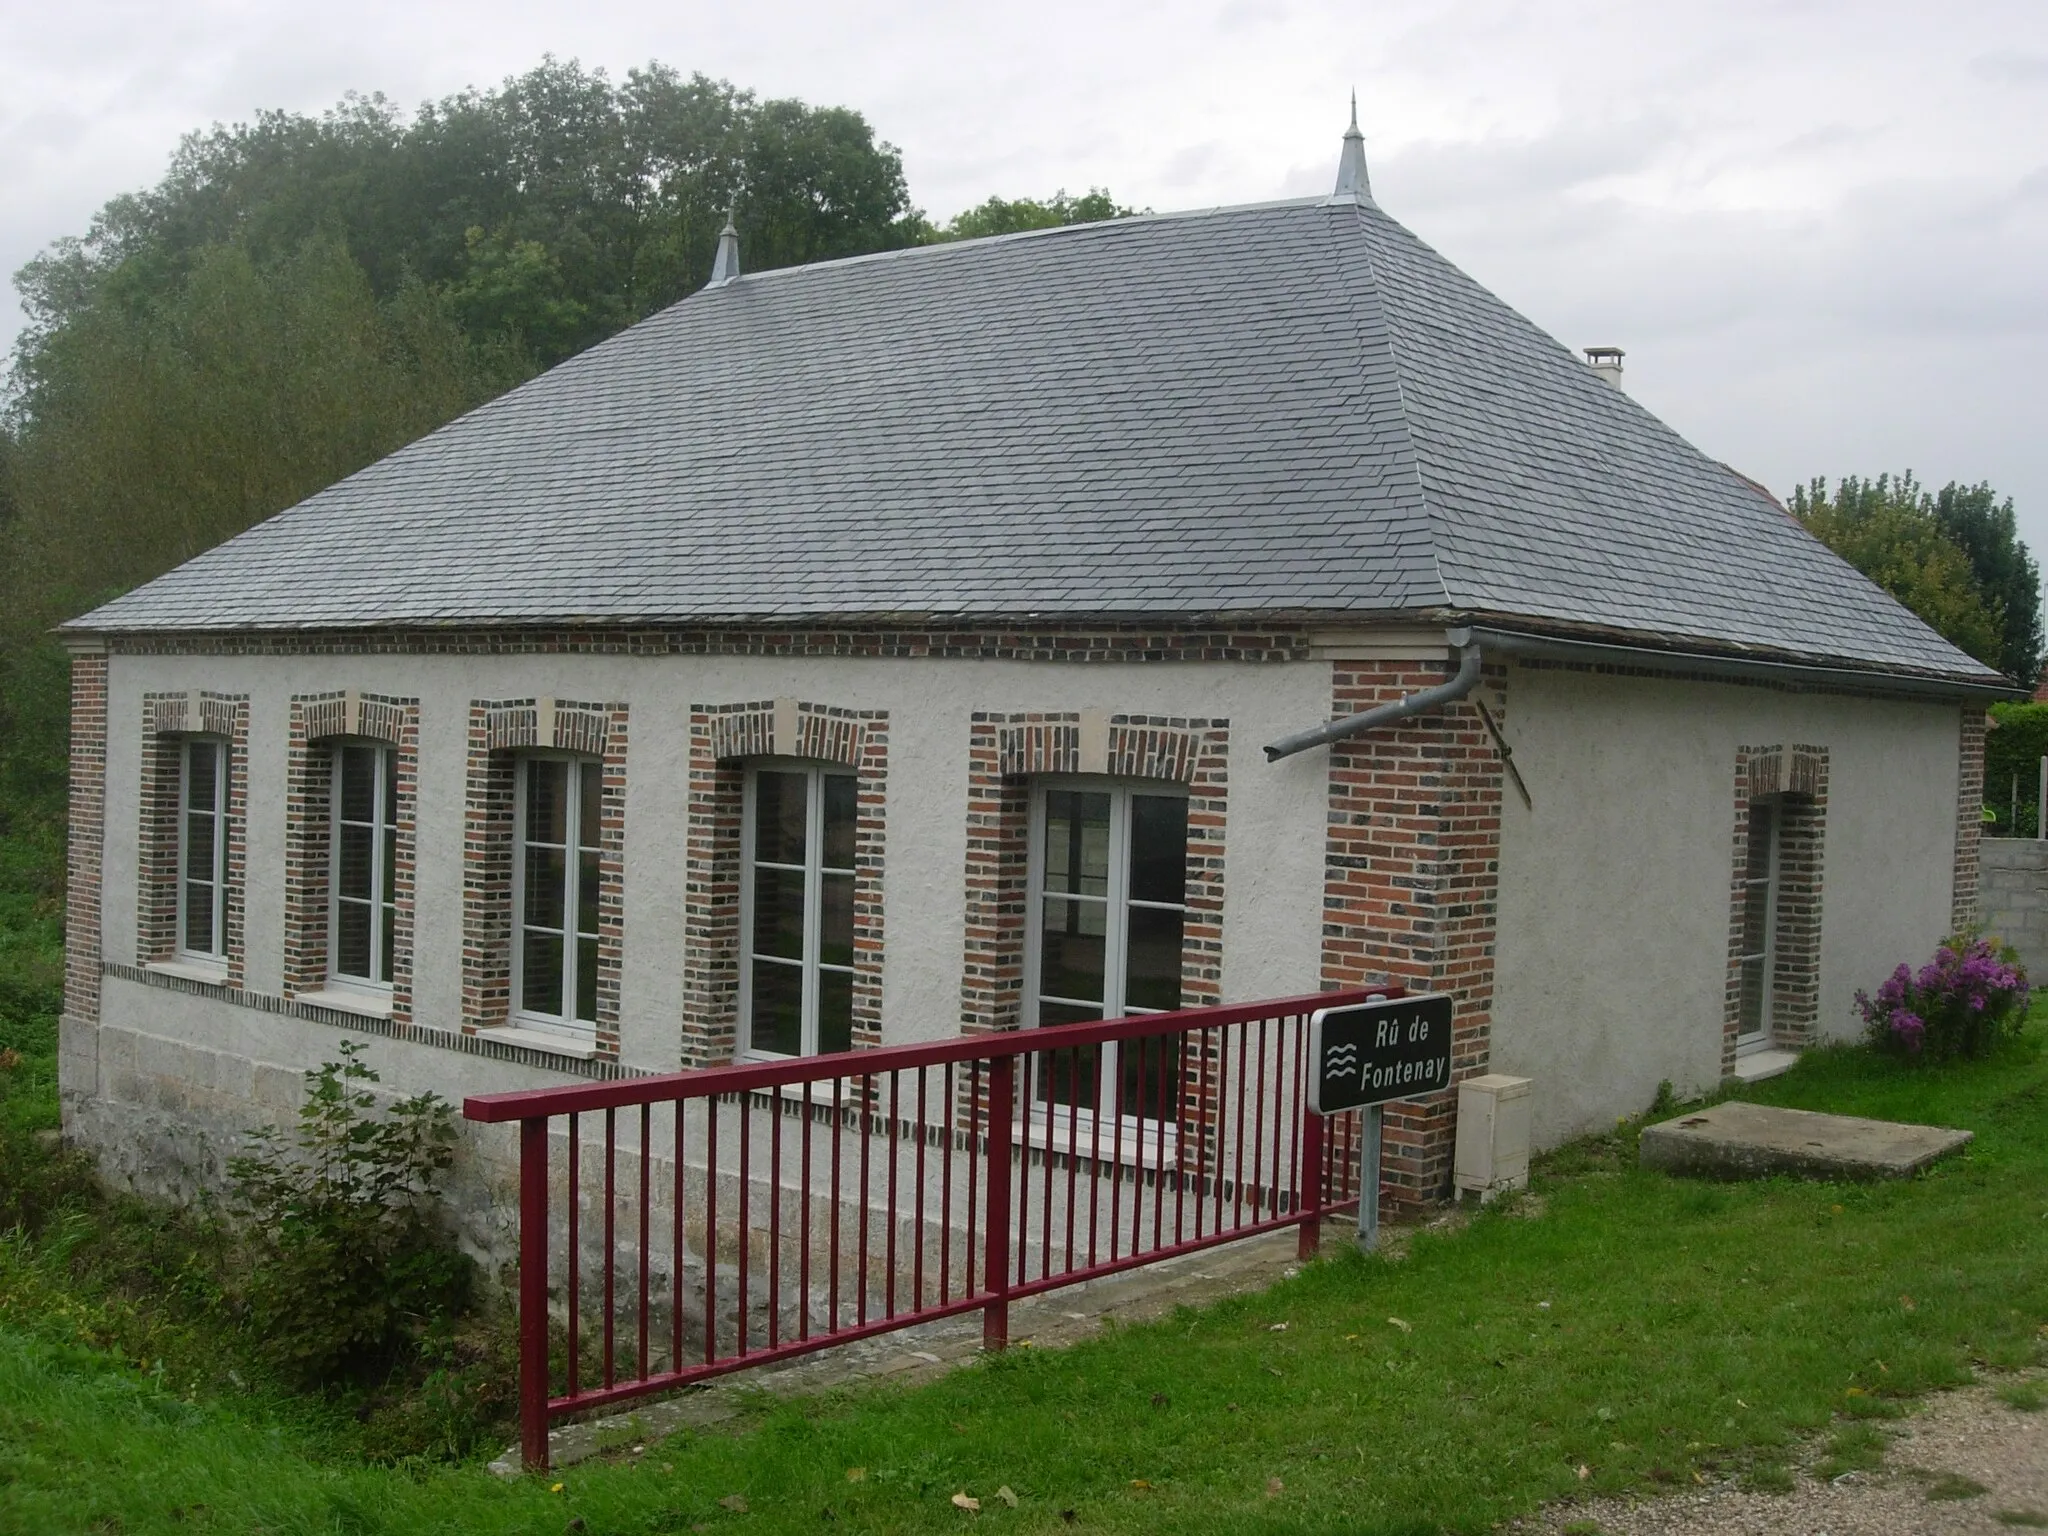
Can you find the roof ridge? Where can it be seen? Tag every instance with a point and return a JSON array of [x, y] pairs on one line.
[[937, 248], [1362, 252]]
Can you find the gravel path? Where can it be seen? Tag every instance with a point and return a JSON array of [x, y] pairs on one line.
[[1958, 1442]]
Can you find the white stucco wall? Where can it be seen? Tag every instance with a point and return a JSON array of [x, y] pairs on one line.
[[1273, 880], [1613, 903], [1614, 896]]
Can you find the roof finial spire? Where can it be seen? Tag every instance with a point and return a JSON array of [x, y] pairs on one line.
[[1351, 177], [726, 265]]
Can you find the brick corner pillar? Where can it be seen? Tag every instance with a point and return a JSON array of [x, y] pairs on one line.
[[1411, 885], [1964, 909], [78, 1050]]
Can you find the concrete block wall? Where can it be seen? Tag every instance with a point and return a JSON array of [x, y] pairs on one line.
[[2015, 897]]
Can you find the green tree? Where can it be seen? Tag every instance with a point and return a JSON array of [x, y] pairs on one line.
[[1006, 216], [150, 428], [554, 209], [1986, 530], [1887, 529]]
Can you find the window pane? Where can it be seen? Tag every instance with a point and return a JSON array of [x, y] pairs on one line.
[[387, 764], [1148, 1078], [835, 937], [1069, 1076], [842, 815], [590, 818], [352, 874], [779, 913], [1159, 848], [1763, 820], [390, 940], [199, 917], [835, 1010], [1077, 842], [544, 870], [586, 980], [587, 887], [777, 1017], [202, 765], [358, 795], [1068, 1013], [1750, 1014], [779, 809], [1152, 966], [547, 805], [199, 832], [540, 973], [1071, 953], [389, 892], [352, 939]]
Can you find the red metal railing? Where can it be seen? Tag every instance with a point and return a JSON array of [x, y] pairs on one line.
[[771, 1209]]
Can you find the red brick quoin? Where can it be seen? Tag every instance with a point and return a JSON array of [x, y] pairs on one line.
[[1411, 885], [85, 854]]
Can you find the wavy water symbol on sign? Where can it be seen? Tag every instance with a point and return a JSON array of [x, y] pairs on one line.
[[1341, 1061]]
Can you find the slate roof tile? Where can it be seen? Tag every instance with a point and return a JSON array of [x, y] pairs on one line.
[[1294, 407]]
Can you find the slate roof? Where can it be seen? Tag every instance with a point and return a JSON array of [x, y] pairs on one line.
[[1293, 409]]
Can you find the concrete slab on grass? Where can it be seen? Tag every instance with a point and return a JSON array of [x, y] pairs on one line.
[[1754, 1141]]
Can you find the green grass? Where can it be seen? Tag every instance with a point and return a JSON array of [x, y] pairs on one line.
[[1691, 1331]]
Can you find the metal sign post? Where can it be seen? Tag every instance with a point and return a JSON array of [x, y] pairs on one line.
[[1369, 1179], [1370, 1053]]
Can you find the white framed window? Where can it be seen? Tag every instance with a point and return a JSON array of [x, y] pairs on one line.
[[1757, 958], [556, 845], [796, 908], [202, 847], [362, 916], [1108, 906]]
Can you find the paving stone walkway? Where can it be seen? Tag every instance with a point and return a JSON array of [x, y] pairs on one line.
[[1966, 1462]]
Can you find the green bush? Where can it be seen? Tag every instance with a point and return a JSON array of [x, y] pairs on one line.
[[354, 1268], [2013, 750]]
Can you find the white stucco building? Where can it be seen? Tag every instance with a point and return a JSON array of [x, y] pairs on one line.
[[898, 646]]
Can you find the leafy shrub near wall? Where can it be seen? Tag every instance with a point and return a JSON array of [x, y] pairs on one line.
[[2013, 750], [355, 1265], [1971, 995]]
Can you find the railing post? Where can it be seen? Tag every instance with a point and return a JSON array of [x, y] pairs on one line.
[[1309, 1190], [533, 1292], [995, 1270]]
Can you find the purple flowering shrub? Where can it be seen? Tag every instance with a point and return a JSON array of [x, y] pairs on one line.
[[1971, 995]]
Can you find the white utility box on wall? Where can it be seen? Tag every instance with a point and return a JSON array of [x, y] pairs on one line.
[[1493, 1135]]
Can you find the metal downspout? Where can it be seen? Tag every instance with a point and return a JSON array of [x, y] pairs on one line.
[[1400, 709]]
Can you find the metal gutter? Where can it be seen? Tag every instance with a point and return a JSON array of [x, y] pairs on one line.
[[1464, 682], [1548, 647]]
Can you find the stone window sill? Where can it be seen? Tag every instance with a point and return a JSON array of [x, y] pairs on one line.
[[1771, 1061], [370, 1005], [191, 970], [541, 1040]]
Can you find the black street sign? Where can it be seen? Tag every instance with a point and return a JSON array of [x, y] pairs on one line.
[[1369, 1053]]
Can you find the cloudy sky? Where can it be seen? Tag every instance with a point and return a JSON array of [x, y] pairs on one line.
[[1819, 227]]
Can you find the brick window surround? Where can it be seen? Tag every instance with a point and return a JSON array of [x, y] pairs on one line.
[[167, 719], [499, 729], [722, 738], [1005, 753], [1795, 781], [1412, 885], [319, 723]]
